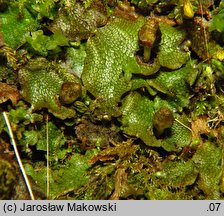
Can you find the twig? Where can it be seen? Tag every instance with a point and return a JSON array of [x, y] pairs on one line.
[[17, 156]]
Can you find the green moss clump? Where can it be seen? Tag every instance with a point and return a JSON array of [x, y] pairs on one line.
[[23, 22], [44, 45], [7, 179], [70, 176]]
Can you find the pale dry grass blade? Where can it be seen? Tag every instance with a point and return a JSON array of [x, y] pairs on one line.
[[17, 156], [204, 30], [183, 125], [48, 162]]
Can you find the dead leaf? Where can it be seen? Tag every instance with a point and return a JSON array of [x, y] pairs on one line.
[[9, 92], [200, 126]]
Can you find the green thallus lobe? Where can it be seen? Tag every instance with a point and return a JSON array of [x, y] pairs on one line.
[[111, 61]]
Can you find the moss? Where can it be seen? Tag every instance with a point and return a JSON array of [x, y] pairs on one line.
[[7, 179], [70, 176], [44, 45], [23, 23], [42, 9], [128, 99]]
